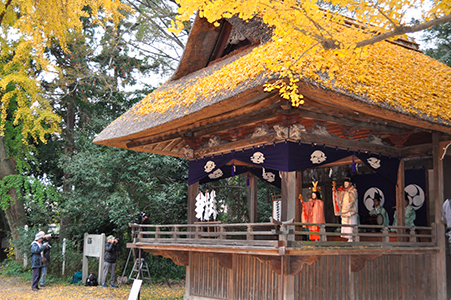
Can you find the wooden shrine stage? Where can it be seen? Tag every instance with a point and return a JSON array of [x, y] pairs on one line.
[[267, 261]]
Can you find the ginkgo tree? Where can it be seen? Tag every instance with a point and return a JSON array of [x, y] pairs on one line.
[[315, 29], [27, 28]]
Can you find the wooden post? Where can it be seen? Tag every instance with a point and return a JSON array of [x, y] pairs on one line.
[[400, 200], [400, 195], [253, 198], [289, 201], [288, 195], [193, 191], [297, 209], [441, 242]]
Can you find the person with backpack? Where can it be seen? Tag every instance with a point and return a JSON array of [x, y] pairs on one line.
[[110, 257]]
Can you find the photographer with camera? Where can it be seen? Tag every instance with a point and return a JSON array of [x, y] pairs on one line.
[[143, 218], [109, 264], [45, 257], [37, 247]]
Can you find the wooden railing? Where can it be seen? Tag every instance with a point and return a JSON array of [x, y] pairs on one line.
[[266, 235]]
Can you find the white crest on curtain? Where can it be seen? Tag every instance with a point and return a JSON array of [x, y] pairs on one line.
[[258, 158], [216, 174], [416, 195], [374, 162], [209, 166], [318, 157], [268, 176]]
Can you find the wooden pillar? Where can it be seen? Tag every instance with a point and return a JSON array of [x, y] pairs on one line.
[[441, 242], [400, 195], [297, 217], [288, 195], [253, 198], [193, 190], [290, 192]]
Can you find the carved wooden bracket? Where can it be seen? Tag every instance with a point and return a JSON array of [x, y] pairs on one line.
[[320, 129], [292, 264], [358, 261], [297, 262], [180, 258], [348, 132], [260, 131], [224, 259], [188, 153], [281, 132]]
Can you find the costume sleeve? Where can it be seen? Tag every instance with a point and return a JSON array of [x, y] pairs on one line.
[[410, 216], [336, 198], [386, 218]]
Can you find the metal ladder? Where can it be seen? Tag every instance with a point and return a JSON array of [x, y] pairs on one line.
[[141, 268]]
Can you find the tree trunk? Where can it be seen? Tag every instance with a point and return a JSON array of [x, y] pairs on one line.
[[15, 213], [65, 221]]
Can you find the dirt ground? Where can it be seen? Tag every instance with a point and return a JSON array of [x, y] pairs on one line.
[[17, 288]]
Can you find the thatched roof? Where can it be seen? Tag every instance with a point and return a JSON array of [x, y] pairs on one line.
[[405, 86]]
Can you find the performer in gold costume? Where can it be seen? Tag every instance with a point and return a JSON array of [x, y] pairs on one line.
[[346, 206], [313, 211]]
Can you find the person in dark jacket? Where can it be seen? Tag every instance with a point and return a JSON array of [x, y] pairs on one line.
[[110, 257], [37, 247], [46, 258]]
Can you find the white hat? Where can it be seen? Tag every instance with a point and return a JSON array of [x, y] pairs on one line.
[[38, 236]]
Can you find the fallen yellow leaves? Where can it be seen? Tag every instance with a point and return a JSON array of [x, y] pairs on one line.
[[14, 288]]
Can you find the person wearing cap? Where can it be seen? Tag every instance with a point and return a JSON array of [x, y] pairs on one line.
[[45, 255], [37, 247], [347, 206], [110, 257]]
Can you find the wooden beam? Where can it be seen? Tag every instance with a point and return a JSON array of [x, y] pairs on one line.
[[417, 151], [305, 137]]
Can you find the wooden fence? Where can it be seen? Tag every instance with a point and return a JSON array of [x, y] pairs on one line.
[[268, 235]]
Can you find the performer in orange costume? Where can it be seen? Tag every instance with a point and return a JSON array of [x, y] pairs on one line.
[[313, 212]]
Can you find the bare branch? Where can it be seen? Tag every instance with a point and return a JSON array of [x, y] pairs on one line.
[[400, 30]]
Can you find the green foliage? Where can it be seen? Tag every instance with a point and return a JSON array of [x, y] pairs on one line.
[[232, 199], [438, 39], [110, 187], [37, 195], [13, 268]]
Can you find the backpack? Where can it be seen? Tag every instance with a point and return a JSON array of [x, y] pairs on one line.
[[91, 280], [77, 277]]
